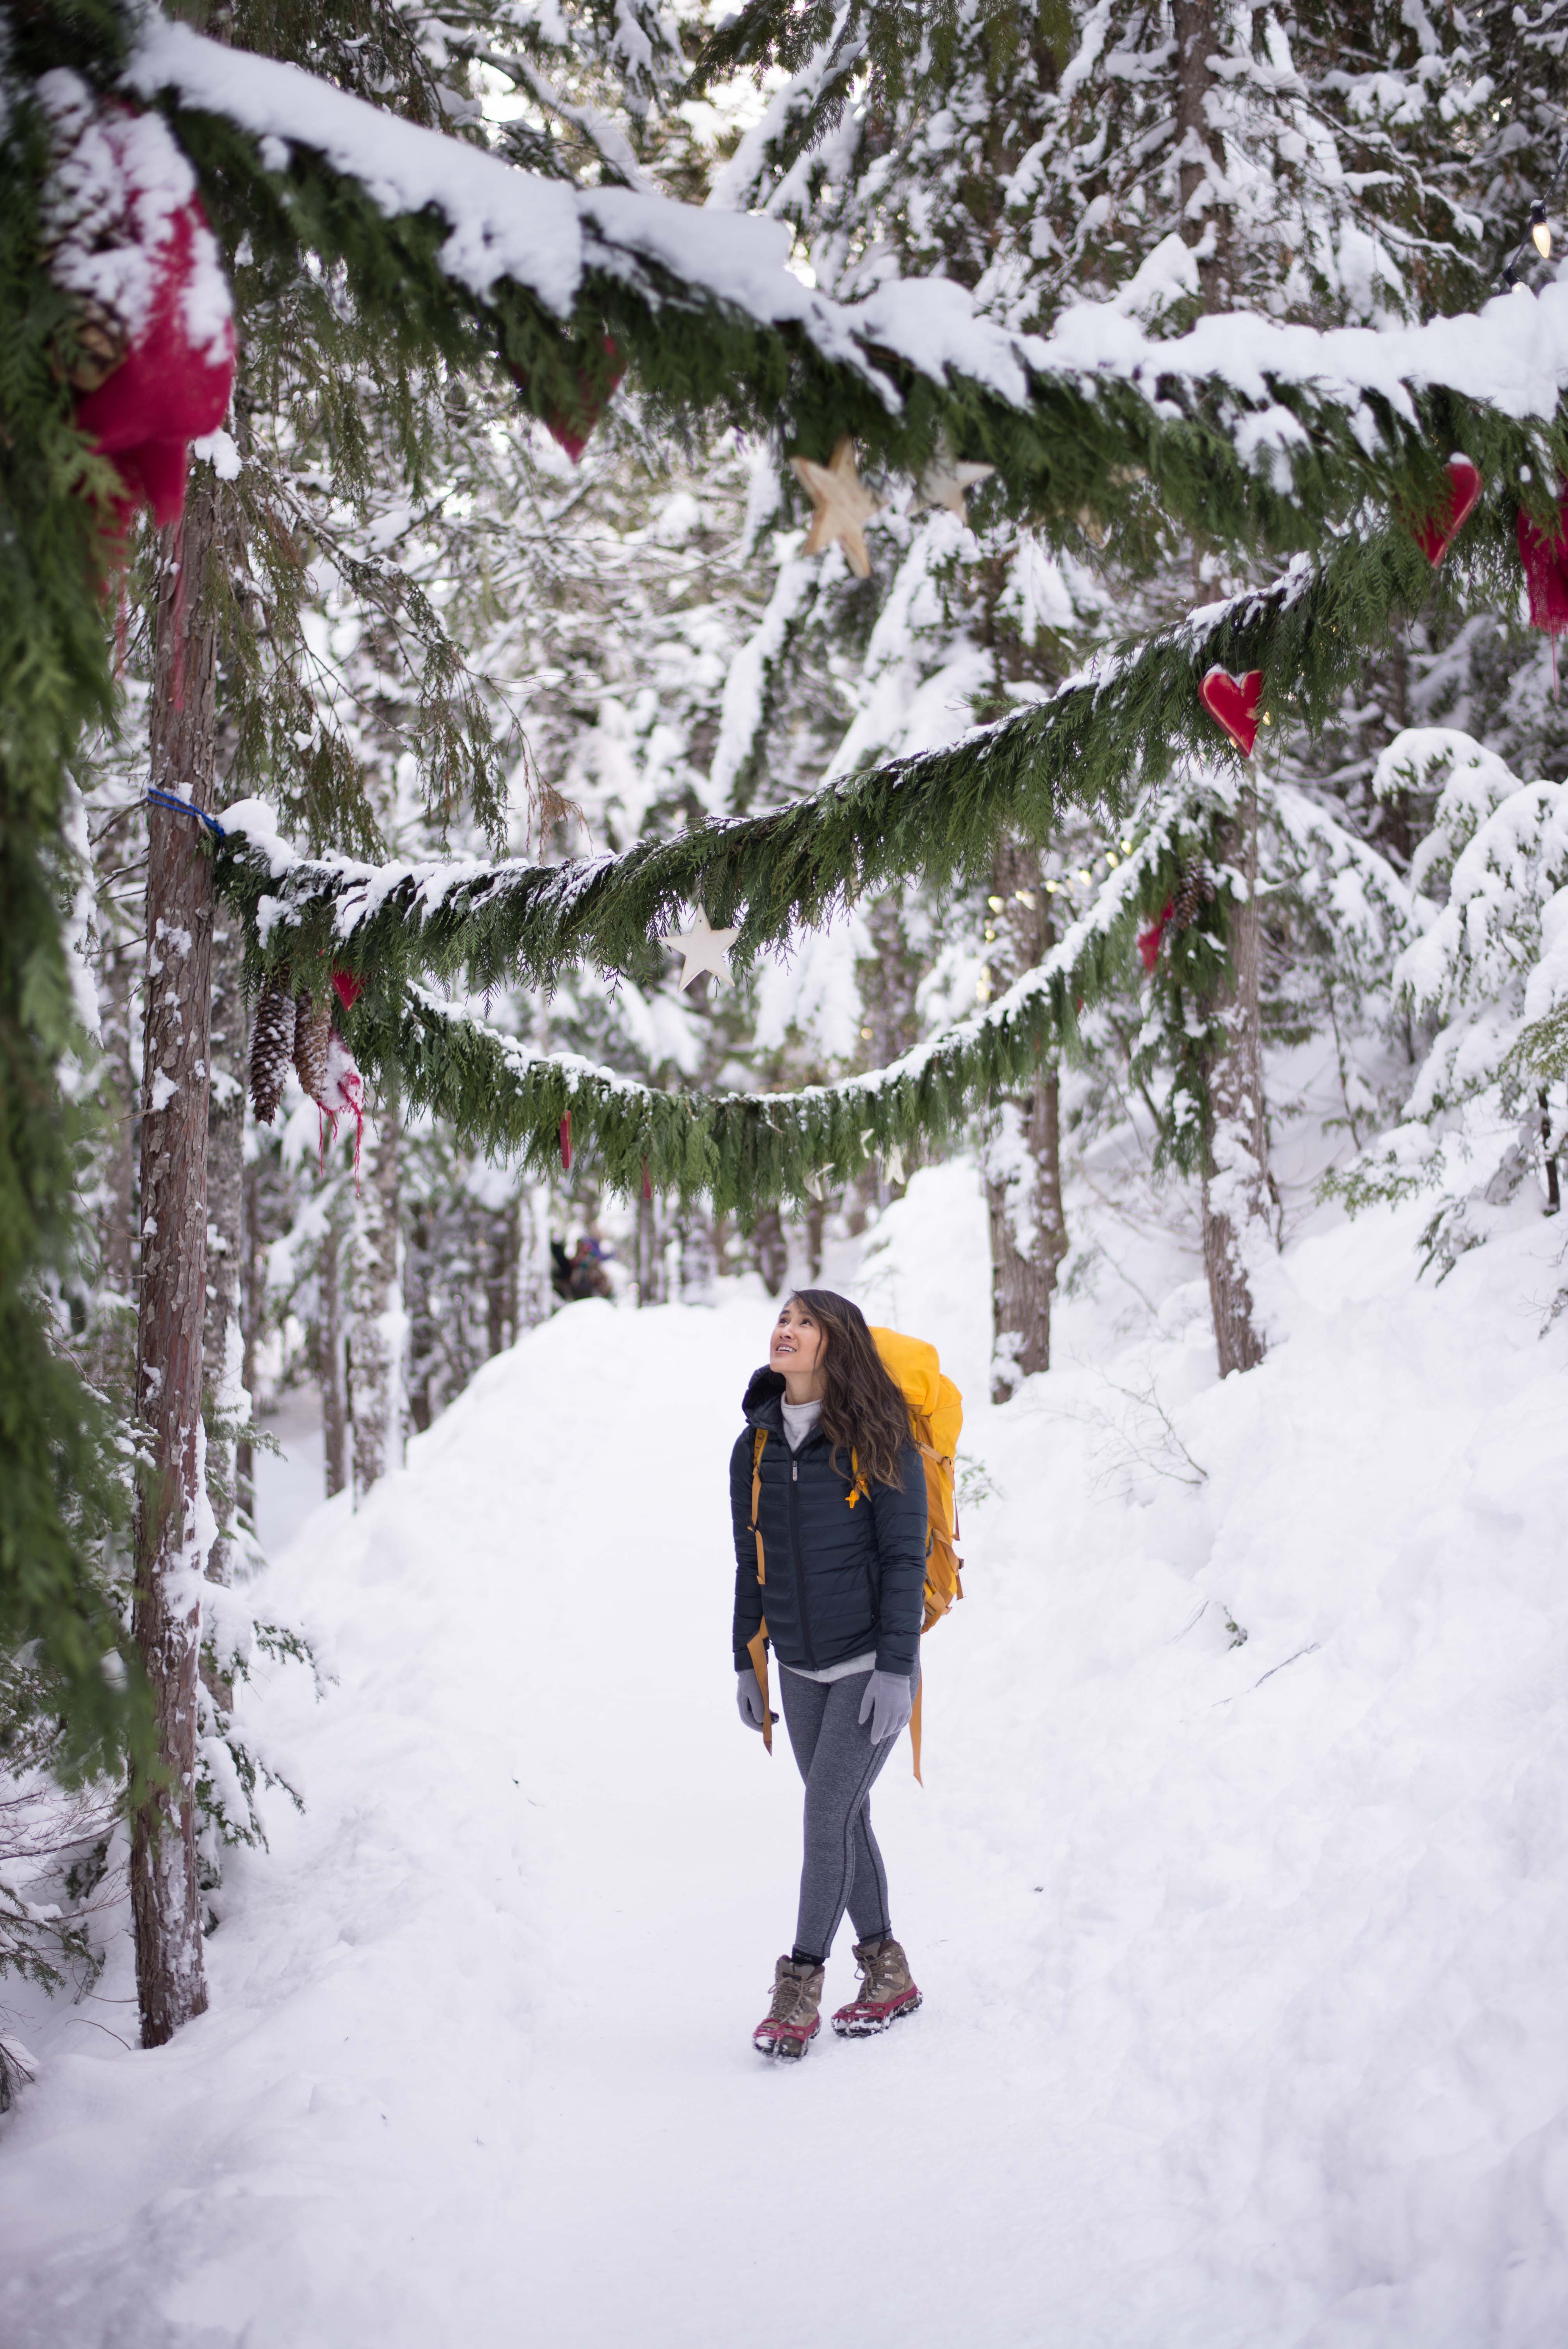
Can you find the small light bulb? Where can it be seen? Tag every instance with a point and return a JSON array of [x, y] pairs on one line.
[[1127, 848], [1540, 232], [1112, 859], [995, 904], [1025, 897], [1083, 874], [1051, 888]]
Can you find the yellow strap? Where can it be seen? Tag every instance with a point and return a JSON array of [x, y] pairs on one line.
[[758, 1441], [757, 1649], [914, 1729]]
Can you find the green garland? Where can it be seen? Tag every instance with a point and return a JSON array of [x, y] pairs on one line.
[[1136, 436], [1094, 744], [743, 1150]]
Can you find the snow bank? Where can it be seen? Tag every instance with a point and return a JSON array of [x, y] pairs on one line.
[[1243, 1957]]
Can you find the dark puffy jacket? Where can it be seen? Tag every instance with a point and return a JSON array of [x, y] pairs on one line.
[[840, 1581]]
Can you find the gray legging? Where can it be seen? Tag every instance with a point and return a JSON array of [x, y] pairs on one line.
[[843, 1868]]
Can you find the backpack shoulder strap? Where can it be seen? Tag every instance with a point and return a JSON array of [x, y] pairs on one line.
[[757, 1647]]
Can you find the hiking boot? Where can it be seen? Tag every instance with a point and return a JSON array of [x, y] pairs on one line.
[[887, 1991], [791, 2023]]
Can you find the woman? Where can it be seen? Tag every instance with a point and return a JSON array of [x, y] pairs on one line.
[[831, 1572]]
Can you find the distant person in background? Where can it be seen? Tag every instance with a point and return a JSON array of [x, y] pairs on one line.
[[581, 1274], [829, 1572]]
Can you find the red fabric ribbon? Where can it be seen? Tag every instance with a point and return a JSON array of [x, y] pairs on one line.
[[1149, 939], [169, 389]]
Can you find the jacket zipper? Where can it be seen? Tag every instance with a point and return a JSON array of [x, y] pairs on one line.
[[800, 1570]]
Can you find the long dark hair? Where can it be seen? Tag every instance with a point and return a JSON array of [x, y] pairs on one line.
[[863, 1414]]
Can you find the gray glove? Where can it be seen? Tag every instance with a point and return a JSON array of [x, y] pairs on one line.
[[889, 1700], [748, 1698]]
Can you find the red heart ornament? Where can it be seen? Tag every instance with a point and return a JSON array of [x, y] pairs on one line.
[[1233, 702], [592, 399], [347, 988], [1544, 554], [1434, 538]]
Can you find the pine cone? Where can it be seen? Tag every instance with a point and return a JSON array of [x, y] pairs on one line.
[[1196, 889], [271, 1045], [313, 1026], [101, 345]]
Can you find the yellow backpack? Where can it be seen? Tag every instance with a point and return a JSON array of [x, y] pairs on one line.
[[935, 1421]]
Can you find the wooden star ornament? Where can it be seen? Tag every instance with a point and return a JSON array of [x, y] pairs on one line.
[[945, 482], [702, 947], [840, 506]]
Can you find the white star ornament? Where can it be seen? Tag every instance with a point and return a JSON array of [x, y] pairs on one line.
[[945, 483], [840, 506], [702, 947]]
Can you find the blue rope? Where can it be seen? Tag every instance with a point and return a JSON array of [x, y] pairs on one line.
[[183, 807]]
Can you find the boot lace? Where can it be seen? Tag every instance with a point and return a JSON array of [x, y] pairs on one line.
[[789, 1997]]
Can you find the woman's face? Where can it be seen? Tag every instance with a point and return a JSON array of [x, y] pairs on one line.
[[799, 1344]]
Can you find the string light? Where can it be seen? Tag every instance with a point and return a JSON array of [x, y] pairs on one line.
[[1539, 232], [995, 904]]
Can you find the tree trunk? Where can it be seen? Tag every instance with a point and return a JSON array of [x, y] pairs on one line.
[[416, 1272], [501, 1249], [694, 1228], [1022, 1164], [1236, 1197], [229, 1402], [172, 1526], [651, 1271], [253, 1310], [377, 1323], [1197, 147], [771, 1251], [332, 1362], [534, 1297], [115, 1364], [1021, 1157]]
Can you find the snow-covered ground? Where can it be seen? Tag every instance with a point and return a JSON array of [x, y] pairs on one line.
[[1243, 1959]]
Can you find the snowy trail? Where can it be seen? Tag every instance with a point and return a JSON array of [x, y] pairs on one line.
[[1243, 1964], [510, 1959]]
